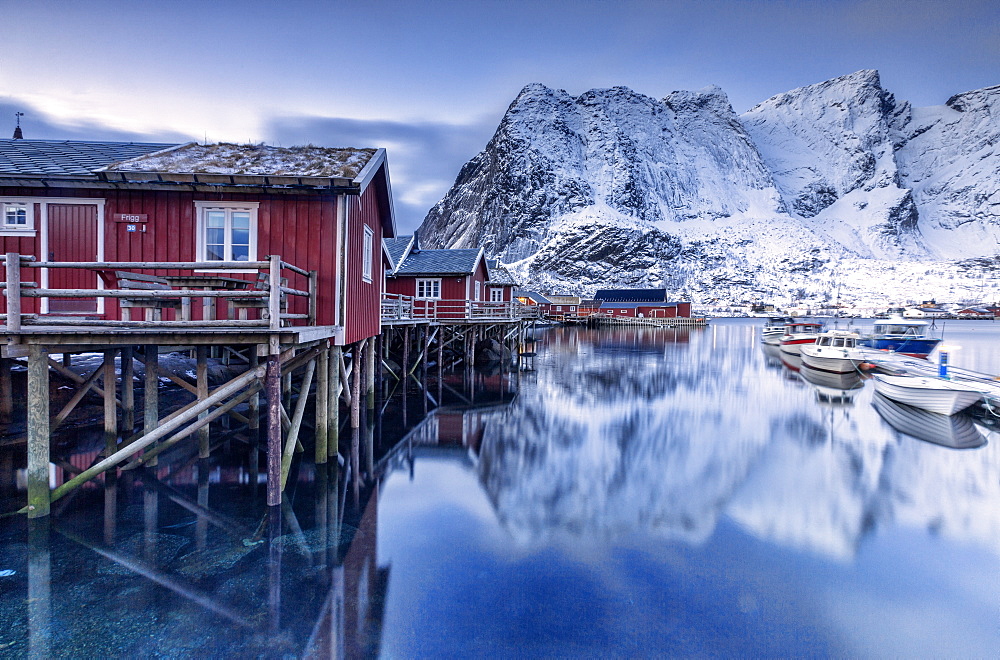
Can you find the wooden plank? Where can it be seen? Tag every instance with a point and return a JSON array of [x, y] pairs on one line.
[[13, 268], [322, 404]]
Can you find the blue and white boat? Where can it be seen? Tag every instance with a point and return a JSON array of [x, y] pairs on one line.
[[899, 335]]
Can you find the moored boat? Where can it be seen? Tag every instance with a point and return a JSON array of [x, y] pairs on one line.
[[831, 388], [905, 336], [834, 351], [798, 334], [937, 395], [774, 329]]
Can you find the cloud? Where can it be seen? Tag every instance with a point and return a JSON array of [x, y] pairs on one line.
[[424, 157], [38, 125]]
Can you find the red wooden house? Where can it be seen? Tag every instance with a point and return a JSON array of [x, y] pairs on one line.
[[321, 209], [641, 303], [500, 282], [446, 284]]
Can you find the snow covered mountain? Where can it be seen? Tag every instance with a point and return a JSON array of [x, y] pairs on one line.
[[832, 186]]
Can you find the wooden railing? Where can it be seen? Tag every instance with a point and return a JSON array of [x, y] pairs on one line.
[[397, 307], [270, 287]]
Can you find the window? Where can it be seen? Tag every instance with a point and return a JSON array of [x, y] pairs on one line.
[[429, 288], [366, 255], [17, 218], [479, 291], [496, 295], [227, 231]]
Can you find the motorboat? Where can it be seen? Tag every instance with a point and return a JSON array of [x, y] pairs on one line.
[[833, 388], [835, 351], [936, 395], [905, 336], [798, 334], [774, 328], [954, 431]]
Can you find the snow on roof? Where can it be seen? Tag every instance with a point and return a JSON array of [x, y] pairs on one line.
[[252, 159]]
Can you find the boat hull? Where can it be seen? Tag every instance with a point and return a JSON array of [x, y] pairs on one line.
[[930, 394], [914, 347], [830, 360]]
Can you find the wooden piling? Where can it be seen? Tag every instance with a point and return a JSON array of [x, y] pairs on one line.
[[39, 602], [37, 474], [273, 392], [322, 403], [128, 389], [201, 372], [151, 391], [356, 373], [110, 410], [369, 363], [333, 421]]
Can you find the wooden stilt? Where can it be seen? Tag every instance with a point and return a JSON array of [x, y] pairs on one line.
[[333, 422], [440, 347], [357, 370], [253, 414], [273, 391], [38, 432], [110, 411], [151, 391], [128, 390], [201, 372], [423, 366], [370, 373], [322, 403]]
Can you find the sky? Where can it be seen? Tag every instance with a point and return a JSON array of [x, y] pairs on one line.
[[430, 80]]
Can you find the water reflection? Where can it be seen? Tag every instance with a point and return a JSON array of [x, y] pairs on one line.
[[639, 492]]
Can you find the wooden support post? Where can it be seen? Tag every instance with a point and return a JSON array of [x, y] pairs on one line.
[[370, 373], [201, 372], [201, 521], [357, 369], [67, 360], [151, 391], [322, 403], [110, 411], [128, 389], [440, 346], [273, 392], [333, 402], [253, 411], [13, 293], [110, 507], [424, 366], [6, 391], [38, 431], [406, 357]]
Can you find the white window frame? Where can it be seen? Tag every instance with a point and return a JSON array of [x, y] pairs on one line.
[[366, 254], [202, 207], [479, 290], [27, 229], [496, 294], [425, 283]]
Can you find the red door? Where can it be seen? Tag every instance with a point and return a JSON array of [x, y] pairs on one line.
[[72, 231]]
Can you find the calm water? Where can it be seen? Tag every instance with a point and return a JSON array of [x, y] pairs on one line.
[[646, 492]]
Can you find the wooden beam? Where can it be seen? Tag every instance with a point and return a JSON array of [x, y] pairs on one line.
[[110, 411], [293, 432]]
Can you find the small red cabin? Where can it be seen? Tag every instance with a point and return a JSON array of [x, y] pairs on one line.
[[447, 284], [321, 209]]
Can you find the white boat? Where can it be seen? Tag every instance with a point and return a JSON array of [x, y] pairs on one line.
[[954, 431], [834, 351], [936, 395], [797, 334], [774, 329]]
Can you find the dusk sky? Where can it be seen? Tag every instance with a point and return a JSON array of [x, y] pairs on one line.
[[430, 80]]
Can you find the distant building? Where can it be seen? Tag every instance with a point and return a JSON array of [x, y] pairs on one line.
[[641, 303]]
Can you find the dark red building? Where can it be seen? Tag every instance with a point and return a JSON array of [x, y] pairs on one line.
[[321, 209], [641, 303], [449, 283]]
